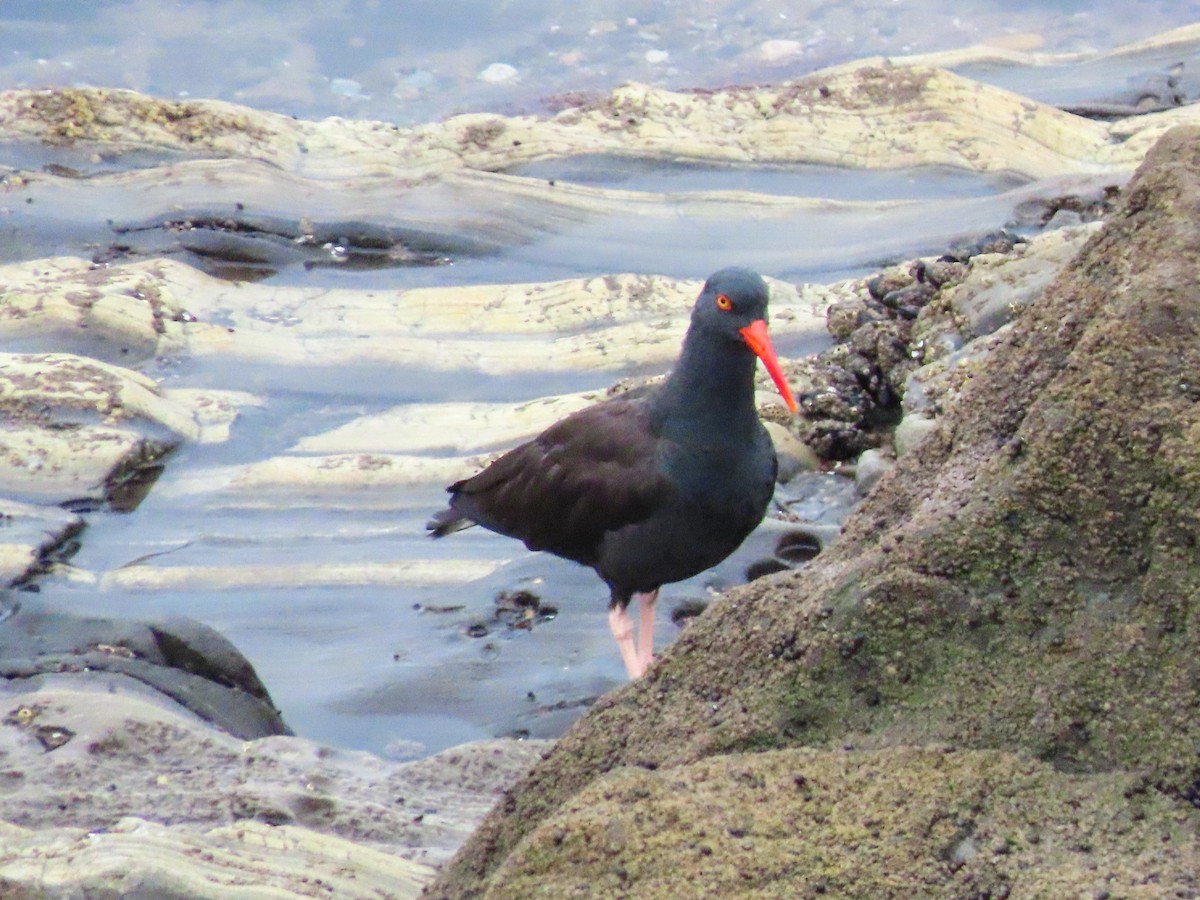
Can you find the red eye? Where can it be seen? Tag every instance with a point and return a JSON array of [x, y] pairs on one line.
[[724, 303]]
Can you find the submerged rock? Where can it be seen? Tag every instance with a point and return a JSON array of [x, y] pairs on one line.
[[1019, 583], [30, 535], [182, 659], [79, 429]]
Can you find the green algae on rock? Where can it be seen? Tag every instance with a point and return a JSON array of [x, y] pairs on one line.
[[1023, 580]]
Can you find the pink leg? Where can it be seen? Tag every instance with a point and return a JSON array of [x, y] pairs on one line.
[[646, 630], [622, 629]]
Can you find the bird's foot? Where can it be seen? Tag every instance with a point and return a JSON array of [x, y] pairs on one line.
[[637, 658], [645, 652]]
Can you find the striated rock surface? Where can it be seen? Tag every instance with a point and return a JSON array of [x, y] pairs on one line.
[[112, 792], [992, 595], [245, 192], [1021, 582], [848, 116]]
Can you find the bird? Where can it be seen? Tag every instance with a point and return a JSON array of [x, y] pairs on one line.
[[652, 489]]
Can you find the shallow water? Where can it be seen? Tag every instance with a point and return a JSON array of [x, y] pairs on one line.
[[828, 182], [372, 666], [416, 61]]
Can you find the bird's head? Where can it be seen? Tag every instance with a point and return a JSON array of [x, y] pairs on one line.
[[733, 303]]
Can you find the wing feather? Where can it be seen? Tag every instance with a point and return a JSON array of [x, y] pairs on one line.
[[591, 473]]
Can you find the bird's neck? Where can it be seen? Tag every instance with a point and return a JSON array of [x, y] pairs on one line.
[[712, 382]]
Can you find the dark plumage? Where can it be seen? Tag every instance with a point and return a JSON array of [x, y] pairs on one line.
[[651, 490]]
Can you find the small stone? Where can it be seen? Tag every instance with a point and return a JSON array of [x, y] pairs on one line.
[[498, 73], [779, 50], [1064, 218], [404, 749], [910, 432], [879, 286], [843, 317], [793, 454], [348, 87], [872, 465]]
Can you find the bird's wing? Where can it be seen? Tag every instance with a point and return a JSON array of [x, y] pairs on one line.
[[595, 471]]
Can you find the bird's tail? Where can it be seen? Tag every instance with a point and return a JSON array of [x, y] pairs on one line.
[[448, 521]]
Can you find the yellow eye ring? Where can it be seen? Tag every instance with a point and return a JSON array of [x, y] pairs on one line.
[[724, 303]]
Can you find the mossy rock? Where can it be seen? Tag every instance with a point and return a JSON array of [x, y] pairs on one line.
[[1024, 580], [894, 823]]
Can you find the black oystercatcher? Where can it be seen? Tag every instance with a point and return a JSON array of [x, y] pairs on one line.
[[650, 490]]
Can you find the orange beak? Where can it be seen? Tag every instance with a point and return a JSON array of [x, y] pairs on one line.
[[755, 336]]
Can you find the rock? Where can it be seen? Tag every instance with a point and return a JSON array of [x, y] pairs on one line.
[[793, 455], [181, 659], [917, 315], [214, 576], [912, 429], [1159, 91], [895, 822], [493, 329], [140, 858], [847, 657], [871, 466], [499, 73], [889, 281], [941, 272], [1012, 588], [1066, 209], [449, 427], [854, 388], [144, 799], [121, 315], [844, 317], [908, 301], [29, 534], [80, 429], [998, 286], [831, 117]]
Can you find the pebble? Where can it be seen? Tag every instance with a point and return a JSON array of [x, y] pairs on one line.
[[911, 431], [872, 465], [348, 87], [793, 454], [779, 50], [420, 79], [498, 73]]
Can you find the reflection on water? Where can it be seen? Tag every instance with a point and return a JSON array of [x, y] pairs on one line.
[[927, 183]]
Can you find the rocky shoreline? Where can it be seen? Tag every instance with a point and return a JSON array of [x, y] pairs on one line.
[[1012, 601], [984, 687]]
